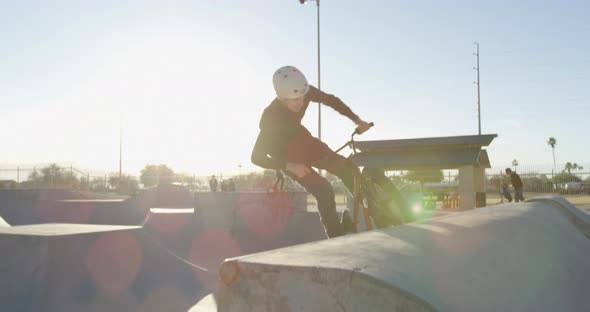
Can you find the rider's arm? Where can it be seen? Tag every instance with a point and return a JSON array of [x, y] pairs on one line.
[[269, 142], [260, 153], [318, 96]]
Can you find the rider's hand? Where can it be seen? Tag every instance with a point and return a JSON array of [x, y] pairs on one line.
[[362, 126], [299, 170]]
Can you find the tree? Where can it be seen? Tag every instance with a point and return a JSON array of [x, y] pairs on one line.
[[99, 184], [577, 167], [54, 176], [198, 185], [569, 167], [552, 142], [424, 176], [495, 181], [128, 184], [191, 182], [537, 182], [152, 175], [565, 177], [263, 181]]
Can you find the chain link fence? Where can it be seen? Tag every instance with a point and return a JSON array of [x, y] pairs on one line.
[[56, 176], [562, 178]]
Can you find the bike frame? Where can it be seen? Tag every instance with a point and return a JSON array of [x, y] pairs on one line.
[[349, 144], [359, 194]]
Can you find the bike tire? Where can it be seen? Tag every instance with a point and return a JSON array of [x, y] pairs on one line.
[[380, 206]]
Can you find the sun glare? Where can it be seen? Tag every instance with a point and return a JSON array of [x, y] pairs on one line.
[[180, 100]]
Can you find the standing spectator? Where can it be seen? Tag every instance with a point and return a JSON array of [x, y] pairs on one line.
[[213, 184], [517, 184], [231, 185]]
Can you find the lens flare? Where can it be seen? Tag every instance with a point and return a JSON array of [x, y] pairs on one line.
[[417, 208]]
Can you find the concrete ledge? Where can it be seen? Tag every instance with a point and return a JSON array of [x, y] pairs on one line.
[[576, 216], [314, 289], [223, 209], [61, 229], [3, 224]]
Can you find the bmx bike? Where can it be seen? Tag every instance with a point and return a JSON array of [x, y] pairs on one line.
[[374, 194]]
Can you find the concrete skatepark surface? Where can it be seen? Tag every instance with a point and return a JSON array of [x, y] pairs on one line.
[[512, 257], [167, 260], [517, 257], [19, 207]]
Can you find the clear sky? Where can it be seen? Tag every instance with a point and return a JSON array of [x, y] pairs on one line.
[[189, 79]]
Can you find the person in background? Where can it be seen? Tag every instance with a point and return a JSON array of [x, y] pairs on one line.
[[516, 184], [231, 185], [213, 184]]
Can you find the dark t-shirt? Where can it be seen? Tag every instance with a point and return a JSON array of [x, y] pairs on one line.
[[279, 126], [515, 179]]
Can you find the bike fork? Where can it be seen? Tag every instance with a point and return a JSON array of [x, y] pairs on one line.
[[359, 196]]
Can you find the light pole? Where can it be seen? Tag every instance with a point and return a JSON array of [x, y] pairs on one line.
[[478, 90], [319, 73], [120, 151]]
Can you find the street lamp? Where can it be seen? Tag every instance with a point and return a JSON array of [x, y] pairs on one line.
[[515, 164], [120, 151], [478, 90], [319, 76]]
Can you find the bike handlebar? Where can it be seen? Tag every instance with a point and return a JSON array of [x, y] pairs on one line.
[[350, 143], [356, 131]]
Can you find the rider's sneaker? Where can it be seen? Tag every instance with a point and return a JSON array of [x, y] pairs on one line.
[[347, 224]]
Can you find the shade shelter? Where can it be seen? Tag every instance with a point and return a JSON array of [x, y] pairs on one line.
[[465, 153]]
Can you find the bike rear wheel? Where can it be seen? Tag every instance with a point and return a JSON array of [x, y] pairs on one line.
[[385, 208]]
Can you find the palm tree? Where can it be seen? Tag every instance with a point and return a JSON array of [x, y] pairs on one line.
[[568, 167], [552, 142]]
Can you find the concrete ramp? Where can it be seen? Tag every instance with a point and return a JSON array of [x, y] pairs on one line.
[[221, 209], [577, 217], [19, 207], [512, 257], [168, 263], [77, 267]]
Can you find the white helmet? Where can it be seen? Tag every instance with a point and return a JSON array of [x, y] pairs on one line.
[[289, 82]]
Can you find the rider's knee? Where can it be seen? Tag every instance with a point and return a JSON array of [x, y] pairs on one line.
[[346, 167]]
